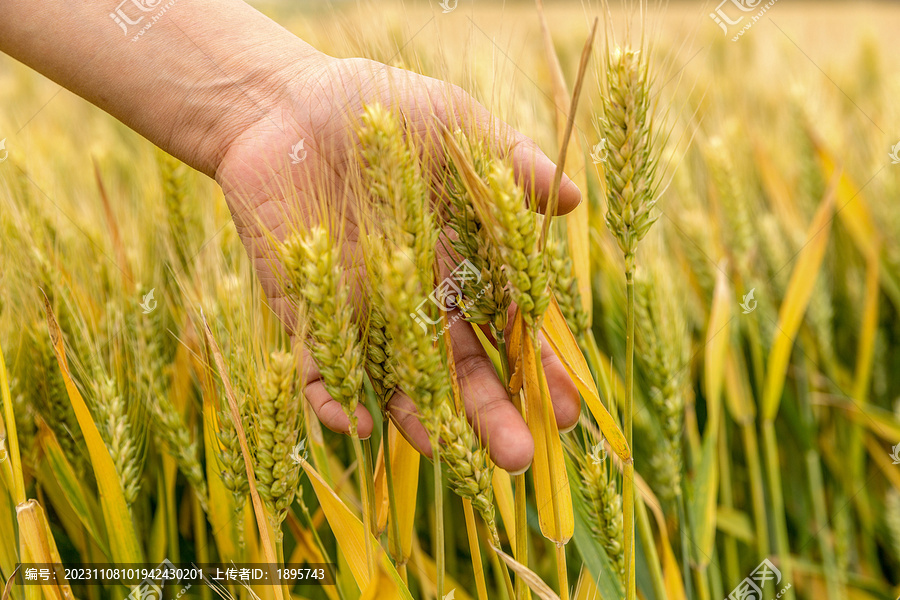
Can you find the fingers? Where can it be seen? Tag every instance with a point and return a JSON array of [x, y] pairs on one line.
[[528, 161], [405, 416], [563, 393], [328, 410], [422, 99], [534, 169], [493, 416]]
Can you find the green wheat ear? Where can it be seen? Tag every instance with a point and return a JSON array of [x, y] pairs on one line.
[[632, 156], [418, 364], [318, 282], [487, 300], [469, 470], [565, 288], [663, 351], [517, 235], [278, 421], [604, 507], [394, 179]]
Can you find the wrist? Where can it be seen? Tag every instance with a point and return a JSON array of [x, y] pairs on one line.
[[254, 87]]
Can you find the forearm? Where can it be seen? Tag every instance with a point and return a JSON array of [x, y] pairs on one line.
[[200, 74]]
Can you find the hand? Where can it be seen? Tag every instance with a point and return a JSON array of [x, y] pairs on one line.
[[262, 186]]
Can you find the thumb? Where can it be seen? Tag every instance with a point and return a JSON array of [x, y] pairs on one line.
[[534, 169]]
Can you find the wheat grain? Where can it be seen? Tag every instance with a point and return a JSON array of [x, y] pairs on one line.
[[632, 156], [114, 425], [320, 286], [604, 506], [663, 354], [486, 299], [516, 233], [277, 420]]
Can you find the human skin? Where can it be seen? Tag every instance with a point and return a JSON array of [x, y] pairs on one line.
[[228, 91]]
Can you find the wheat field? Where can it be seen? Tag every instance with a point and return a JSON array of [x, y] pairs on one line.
[[725, 298]]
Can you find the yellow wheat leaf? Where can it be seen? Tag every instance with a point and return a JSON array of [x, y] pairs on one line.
[[780, 194], [560, 337], [551, 482], [851, 205], [8, 555], [405, 471], [349, 532], [868, 330], [718, 338], [531, 579], [796, 299], [123, 543], [12, 468], [64, 475], [380, 587], [738, 398], [586, 588], [37, 541]]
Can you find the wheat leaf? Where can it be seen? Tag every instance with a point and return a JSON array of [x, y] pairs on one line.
[[123, 542], [560, 337], [531, 578], [551, 482], [69, 482], [350, 534], [405, 470], [505, 501], [36, 539], [796, 299], [716, 350]]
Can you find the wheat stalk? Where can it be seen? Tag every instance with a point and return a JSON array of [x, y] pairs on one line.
[[632, 159]]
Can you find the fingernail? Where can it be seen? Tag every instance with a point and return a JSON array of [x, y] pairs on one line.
[[569, 194], [519, 472], [568, 429]]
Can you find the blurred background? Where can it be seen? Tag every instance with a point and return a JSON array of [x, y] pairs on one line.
[[779, 228]]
